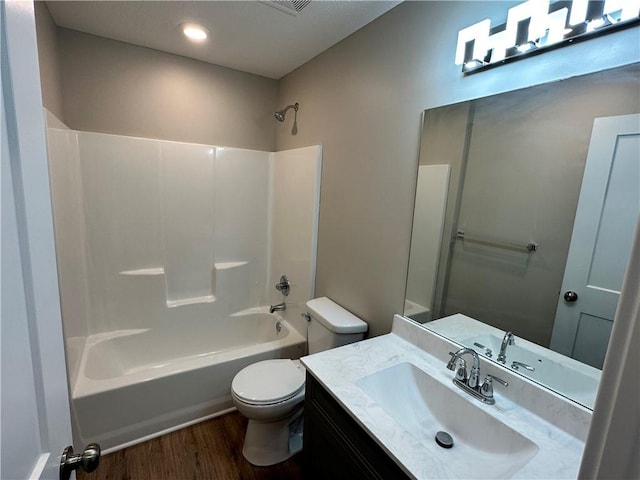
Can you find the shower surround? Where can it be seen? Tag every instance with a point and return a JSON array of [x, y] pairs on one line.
[[167, 255]]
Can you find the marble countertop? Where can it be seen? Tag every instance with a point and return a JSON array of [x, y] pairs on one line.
[[558, 428]]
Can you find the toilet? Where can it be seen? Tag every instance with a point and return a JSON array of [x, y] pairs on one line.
[[271, 393]]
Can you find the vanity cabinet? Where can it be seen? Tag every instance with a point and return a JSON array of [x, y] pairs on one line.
[[336, 447]]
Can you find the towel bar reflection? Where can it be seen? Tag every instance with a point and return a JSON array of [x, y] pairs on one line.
[[529, 247]]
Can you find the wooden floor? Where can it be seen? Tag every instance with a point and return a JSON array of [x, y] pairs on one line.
[[210, 450]]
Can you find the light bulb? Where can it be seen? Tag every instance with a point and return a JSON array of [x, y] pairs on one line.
[[194, 32]]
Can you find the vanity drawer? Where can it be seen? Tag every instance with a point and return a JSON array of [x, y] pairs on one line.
[[336, 447]]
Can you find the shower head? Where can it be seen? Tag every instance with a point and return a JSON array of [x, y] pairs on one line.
[[281, 113]]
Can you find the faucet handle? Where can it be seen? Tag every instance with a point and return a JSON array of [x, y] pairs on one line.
[[487, 350], [486, 390], [516, 365], [488, 376], [452, 361], [284, 286]]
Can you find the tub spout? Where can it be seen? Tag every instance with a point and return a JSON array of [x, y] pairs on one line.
[[277, 308]]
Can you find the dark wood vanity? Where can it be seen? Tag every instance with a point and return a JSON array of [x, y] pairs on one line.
[[336, 447]]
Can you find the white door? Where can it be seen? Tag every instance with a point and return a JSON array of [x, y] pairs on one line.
[[34, 394], [601, 241]]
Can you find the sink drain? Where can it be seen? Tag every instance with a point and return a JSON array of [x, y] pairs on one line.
[[444, 439]]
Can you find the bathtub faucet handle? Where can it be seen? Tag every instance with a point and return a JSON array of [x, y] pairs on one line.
[[284, 286]]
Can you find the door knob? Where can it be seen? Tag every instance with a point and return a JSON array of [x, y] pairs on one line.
[[88, 460], [570, 296]]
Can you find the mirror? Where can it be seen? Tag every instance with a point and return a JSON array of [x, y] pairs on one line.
[[512, 190]]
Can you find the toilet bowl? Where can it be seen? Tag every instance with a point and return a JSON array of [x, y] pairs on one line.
[[270, 393]]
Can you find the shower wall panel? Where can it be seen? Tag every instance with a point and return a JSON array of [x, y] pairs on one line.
[[66, 190], [170, 237], [241, 234], [295, 202], [188, 222], [121, 179], [426, 239], [145, 225]]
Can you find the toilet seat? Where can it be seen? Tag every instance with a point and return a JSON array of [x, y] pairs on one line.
[[268, 382]]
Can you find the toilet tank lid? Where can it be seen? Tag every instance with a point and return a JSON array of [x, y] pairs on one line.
[[334, 317]]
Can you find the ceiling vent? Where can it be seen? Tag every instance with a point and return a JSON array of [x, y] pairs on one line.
[[292, 7]]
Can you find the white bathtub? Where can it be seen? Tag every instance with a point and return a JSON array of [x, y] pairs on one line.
[[137, 384]]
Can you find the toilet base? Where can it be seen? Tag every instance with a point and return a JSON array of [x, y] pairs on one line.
[[269, 443]]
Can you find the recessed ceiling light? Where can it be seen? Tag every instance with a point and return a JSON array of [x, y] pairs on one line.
[[194, 32]]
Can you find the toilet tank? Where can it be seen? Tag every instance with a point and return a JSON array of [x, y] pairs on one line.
[[331, 325]]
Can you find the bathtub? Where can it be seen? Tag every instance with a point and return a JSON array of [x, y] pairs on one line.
[[134, 385]]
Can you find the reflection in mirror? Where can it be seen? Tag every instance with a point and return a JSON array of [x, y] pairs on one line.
[[525, 209]]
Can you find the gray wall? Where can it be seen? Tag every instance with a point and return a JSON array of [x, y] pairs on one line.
[[362, 100], [115, 87], [49, 60]]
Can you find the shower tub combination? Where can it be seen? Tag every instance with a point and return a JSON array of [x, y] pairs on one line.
[[134, 385], [159, 243]]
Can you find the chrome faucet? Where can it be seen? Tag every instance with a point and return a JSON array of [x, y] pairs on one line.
[[471, 383], [278, 308], [472, 380], [507, 340]]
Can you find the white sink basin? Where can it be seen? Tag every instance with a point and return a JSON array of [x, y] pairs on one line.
[[484, 447]]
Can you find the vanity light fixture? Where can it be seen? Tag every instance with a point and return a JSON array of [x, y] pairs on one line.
[[537, 25], [604, 21], [526, 47], [194, 32], [472, 64]]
